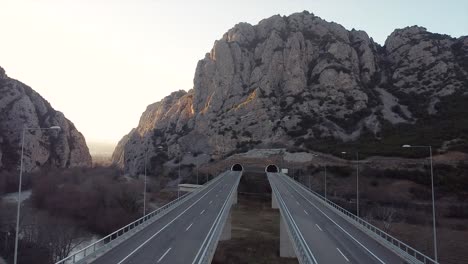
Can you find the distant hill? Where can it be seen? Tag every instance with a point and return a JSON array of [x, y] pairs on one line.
[[302, 82], [101, 148]]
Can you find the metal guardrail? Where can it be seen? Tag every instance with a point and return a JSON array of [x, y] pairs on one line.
[[217, 228], [303, 253], [404, 250], [108, 242]]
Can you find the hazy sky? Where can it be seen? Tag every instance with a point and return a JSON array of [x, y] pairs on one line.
[[102, 62]]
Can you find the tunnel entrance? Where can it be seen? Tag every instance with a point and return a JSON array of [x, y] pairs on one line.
[[272, 168], [237, 167]]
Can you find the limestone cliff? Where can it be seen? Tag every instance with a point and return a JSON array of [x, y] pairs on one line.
[[21, 106], [295, 80]]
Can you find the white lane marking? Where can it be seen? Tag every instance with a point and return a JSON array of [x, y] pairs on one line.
[[298, 203], [216, 195], [342, 229], [189, 227], [343, 254], [211, 201], [161, 258], [306, 212], [210, 235], [293, 221], [202, 212], [319, 227], [164, 227]]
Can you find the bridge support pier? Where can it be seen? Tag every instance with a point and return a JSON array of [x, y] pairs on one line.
[[274, 201], [234, 197], [286, 246], [226, 234]]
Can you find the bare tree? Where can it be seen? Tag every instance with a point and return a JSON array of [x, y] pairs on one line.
[[7, 228], [387, 215], [128, 198], [60, 236]]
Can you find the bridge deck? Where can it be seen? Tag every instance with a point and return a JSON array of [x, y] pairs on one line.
[[331, 238], [177, 236]]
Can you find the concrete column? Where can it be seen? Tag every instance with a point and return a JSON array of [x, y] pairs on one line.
[[226, 234], [234, 197], [286, 246], [274, 201]]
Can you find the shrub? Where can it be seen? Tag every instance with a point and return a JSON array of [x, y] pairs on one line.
[[94, 197], [458, 211], [340, 171]]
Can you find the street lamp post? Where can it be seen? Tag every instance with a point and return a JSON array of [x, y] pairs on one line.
[[6, 240], [144, 190], [178, 180], [196, 162], [325, 191], [357, 181], [145, 181], [433, 198], [15, 261], [197, 171], [313, 155]]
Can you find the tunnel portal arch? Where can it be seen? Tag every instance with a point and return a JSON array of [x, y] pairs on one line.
[[237, 167], [272, 168]]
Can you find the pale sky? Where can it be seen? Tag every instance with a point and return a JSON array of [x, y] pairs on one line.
[[101, 62]]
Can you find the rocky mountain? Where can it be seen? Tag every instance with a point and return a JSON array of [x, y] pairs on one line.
[[300, 81], [21, 106]]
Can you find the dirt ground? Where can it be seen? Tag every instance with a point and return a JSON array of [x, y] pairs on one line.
[[255, 234], [451, 243]]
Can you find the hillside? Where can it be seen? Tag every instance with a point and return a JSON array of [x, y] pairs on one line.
[[301, 82], [21, 106]]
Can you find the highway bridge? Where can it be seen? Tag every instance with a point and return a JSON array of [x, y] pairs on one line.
[[325, 236], [187, 230]]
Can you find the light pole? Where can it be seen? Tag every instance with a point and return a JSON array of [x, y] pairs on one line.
[[20, 182], [357, 181], [144, 190], [197, 171], [433, 198], [325, 192], [282, 160], [178, 180], [6, 240], [196, 162], [313, 155]]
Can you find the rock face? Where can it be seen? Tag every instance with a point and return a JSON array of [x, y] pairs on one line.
[[289, 80], [21, 106]]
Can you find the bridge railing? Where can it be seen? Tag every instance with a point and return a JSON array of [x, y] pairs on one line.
[[216, 230], [125, 232], [404, 250], [303, 253]]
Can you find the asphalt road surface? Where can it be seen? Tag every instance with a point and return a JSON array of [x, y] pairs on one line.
[[331, 238], [177, 236]]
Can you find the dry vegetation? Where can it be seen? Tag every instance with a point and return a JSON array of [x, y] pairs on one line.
[[399, 202], [100, 200], [255, 234], [67, 206]]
